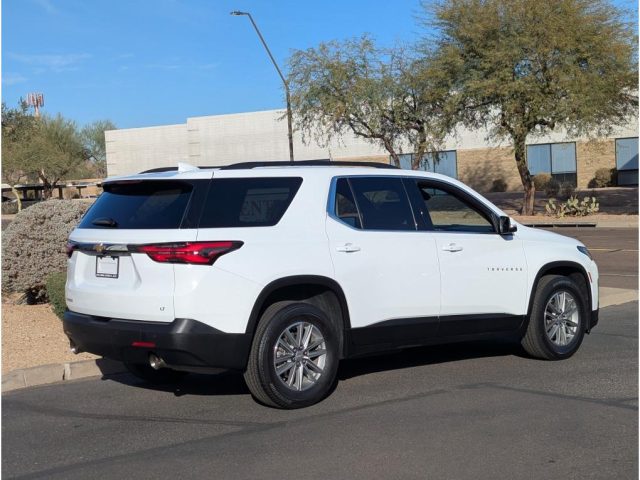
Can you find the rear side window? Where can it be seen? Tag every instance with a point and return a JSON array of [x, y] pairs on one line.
[[139, 205], [248, 202], [382, 203]]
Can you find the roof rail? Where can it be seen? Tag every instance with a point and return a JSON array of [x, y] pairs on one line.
[[297, 163], [306, 163]]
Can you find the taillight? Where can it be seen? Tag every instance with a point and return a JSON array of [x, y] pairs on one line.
[[70, 248], [200, 253]]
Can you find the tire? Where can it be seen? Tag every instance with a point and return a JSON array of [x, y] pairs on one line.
[[163, 376], [544, 336], [298, 384]]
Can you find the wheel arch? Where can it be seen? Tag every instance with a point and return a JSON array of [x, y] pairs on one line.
[[316, 290], [569, 269]]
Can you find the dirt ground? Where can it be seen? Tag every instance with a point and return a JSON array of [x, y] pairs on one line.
[[32, 335]]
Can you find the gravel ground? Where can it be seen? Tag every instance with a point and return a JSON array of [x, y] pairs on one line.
[[32, 335]]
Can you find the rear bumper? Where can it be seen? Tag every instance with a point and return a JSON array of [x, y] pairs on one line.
[[183, 343]]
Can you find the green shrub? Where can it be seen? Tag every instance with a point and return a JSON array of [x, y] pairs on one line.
[[552, 189], [567, 190], [572, 207], [55, 292], [33, 246], [541, 180], [604, 177], [499, 185]]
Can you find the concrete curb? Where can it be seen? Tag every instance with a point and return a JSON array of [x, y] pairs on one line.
[[58, 372]]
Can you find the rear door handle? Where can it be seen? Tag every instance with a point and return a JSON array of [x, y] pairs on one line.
[[452, 247], [348, 248]]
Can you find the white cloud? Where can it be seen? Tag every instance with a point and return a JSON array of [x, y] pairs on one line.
[[13, 78], [55, 62]]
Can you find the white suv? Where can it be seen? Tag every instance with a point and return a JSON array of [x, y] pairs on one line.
[[281, 270]]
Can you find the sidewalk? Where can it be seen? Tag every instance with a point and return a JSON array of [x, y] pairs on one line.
[[599, 220]]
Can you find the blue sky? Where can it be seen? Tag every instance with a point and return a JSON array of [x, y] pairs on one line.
[[153, 62]]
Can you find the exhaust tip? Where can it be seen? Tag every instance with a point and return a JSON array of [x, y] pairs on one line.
[[156, 362]]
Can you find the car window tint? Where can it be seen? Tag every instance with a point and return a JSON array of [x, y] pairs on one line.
[[248, 202], [345, 206], [446, 211], [383, 203], [139, 205]]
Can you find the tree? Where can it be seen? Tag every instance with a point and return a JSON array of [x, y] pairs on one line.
[[17, 129], [56, 150], [528, 67], [94, 142], [45, 149], [387, 97]]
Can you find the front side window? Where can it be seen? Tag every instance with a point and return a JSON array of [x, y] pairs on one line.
[[248, 202], [446, 211], [382, 203]]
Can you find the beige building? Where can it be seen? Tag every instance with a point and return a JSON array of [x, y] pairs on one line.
[[262, 136]]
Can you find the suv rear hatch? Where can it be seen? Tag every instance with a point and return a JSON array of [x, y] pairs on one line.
[[122, 255]]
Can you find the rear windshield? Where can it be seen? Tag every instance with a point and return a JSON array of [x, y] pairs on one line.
[[248, 202], [139, 205]]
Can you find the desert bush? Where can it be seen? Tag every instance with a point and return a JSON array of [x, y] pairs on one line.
[[604, 177], [552, 189], [9, 208], [55, 292], [33, 246], [499, 185], [572, 207], [567, 190], [541, 180]]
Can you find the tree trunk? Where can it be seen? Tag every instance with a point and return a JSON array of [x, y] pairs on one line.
[[15, 192], [526, 178], [47, 190], [419, 151], [394, 155]]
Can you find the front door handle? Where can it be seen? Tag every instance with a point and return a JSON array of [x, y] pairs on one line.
[[348, 248], [452, 247]]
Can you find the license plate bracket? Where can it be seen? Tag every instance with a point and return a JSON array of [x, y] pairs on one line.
[[107, 266]]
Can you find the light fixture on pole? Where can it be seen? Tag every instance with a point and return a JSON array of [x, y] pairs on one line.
[[284, 81]]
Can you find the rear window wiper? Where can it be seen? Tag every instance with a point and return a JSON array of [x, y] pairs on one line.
[[105, 222]]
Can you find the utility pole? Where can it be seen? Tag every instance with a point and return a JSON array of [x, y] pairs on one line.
[[284, 81]]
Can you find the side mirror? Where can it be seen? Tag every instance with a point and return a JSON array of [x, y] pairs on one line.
[[505, 227]]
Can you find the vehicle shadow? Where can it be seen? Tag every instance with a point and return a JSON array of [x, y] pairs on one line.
[[232, 382], [428, 355]]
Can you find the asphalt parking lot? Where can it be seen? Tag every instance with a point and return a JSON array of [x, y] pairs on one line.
[[476, 411], [615, 251], [480, 410]]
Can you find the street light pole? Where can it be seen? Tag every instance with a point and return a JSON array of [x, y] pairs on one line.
[[284, 81]]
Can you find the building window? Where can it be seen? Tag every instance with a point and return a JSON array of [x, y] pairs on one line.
[[445, 162], [627, 160], [557, 159]]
